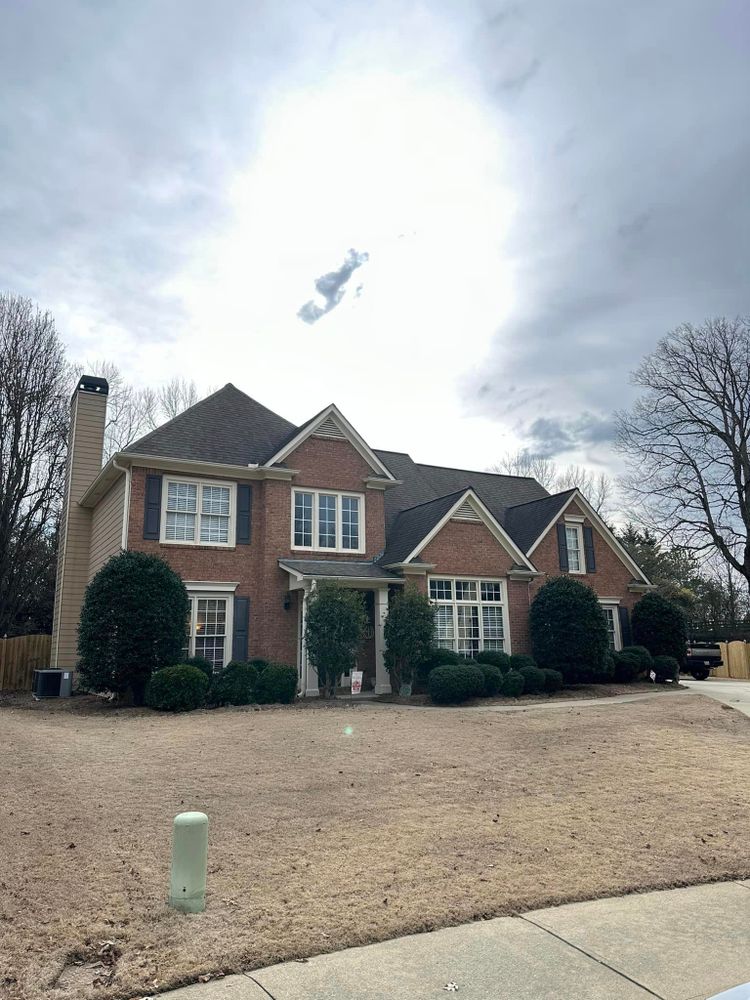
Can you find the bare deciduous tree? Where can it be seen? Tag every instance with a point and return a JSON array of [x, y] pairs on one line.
[[597, 488], [34, 382], [687, 439], [173, 397]]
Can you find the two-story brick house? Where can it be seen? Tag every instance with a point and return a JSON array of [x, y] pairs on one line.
[[253, 512]]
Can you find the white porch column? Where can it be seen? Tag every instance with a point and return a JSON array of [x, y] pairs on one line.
[[308, 673], [382, 677]]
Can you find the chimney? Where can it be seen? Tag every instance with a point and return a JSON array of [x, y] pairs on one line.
[[88, 413]]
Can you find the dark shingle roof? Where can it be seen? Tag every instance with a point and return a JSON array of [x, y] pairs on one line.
[[331, 569], [525, 522], [411, 526], [227, 427]]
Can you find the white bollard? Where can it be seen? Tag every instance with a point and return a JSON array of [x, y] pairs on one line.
[[187, 883]]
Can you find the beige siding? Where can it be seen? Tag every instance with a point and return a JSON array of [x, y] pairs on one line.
[[106, 526], [88, 414]]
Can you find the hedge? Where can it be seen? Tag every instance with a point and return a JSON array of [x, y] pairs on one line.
[[496, 658], [569, 630], [519, 660], [666, 668], [493, 679], [627, 667], [659, 625], [202, 664], [235, 685], [512, 684], [553, 680], [645, 658], [533, 679], [276, 684], [455, 683], [177, 689]]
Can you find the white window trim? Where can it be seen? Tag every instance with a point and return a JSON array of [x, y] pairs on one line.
[[200, 483], [614, 605], [220, 592], [578, 528], [503, 603], [316, 516]]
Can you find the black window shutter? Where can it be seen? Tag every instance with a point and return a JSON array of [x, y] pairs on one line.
[[562, 547], [244, 513], [240, 628], [625, 626], [588, 547], [152, 507]]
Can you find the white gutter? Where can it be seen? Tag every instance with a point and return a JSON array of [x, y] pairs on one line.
[[126, 505]]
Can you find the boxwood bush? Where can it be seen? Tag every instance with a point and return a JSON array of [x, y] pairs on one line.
[[512, 684], [659, 625], [259, 663], [519, 660], [177, 689], [235, 685], [666, 668], [533, 679], [645, 658], [495, 657], [627, 667], [569, 630], [276, 683], [202, 664], [455, 683], [553, 680], [493, 679]]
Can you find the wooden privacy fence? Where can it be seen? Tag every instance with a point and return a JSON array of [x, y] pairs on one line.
[[20, 657], [736, 657]]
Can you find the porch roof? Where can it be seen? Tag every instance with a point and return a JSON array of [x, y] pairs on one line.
[[331, 569]]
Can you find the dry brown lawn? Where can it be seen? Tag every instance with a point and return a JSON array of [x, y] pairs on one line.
[[322, 838]]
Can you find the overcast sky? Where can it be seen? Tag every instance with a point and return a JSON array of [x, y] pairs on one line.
[[536, 192]]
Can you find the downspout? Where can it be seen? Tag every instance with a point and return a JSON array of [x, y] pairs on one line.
[[126, 506]]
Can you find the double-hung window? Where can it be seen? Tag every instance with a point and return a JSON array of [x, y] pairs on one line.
[[327, 521], [574, 543], [197, 512], [209, 628], [470, 615], [612, 616]]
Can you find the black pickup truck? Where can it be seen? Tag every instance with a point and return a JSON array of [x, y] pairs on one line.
[[702, 657]]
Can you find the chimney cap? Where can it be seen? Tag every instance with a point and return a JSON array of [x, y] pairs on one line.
[[92, 383]]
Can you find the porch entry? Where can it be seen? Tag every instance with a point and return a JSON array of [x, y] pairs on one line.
[[366, 656]]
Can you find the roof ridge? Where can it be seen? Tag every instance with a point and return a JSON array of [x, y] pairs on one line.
[[472, 472], [443, 496], [550, 496]]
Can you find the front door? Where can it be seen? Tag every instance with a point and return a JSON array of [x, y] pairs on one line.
[[365, 660]]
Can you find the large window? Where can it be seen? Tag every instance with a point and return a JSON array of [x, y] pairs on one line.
[[470, 615], [327, 521], [197, 513], [210, 628], [612, 616]]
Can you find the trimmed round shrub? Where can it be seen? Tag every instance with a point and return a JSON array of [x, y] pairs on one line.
[[276, 684], [512, 684], [553, 680], [177, 689], [132, 624], [627, 667], [202, 664], [259, 663], [645, 658], [495, 657], [569, 630], [519, 660], [666, 669], [533, 680], [660, 626], [451, 684], [235, 685], [493, 679]]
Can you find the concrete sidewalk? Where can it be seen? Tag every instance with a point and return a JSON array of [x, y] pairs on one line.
[[729, 691], [682, 944]]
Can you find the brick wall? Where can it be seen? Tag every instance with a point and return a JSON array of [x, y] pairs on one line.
[[611, 578]]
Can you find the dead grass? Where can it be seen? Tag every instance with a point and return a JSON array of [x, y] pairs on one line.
[[320, 840]]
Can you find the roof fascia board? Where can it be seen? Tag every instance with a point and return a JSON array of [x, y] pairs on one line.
[[360, 580], [604, 531], [355, 439], [489, 521]]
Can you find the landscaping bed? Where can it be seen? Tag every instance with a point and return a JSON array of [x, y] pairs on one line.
[[341, 827], [573, 692]]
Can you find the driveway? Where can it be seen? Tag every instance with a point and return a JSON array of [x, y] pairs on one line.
[[730, 692]]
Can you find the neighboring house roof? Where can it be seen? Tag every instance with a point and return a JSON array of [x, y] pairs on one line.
[[320, 569], [227, 427], [525, 522]]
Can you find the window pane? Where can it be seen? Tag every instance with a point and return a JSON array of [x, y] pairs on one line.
[[215, 500], [491, 590], [609, 614], [441, 590], [492, 628], [214, 529], [574, 552], [468, 629], [210, 630], [444, 633], [327, 522], [466, 590], [180, 527], [303, 512], [349, 523], [182, 496]]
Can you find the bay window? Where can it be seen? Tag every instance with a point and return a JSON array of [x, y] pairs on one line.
[[197, 513], [471, 615], [327, 521]]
